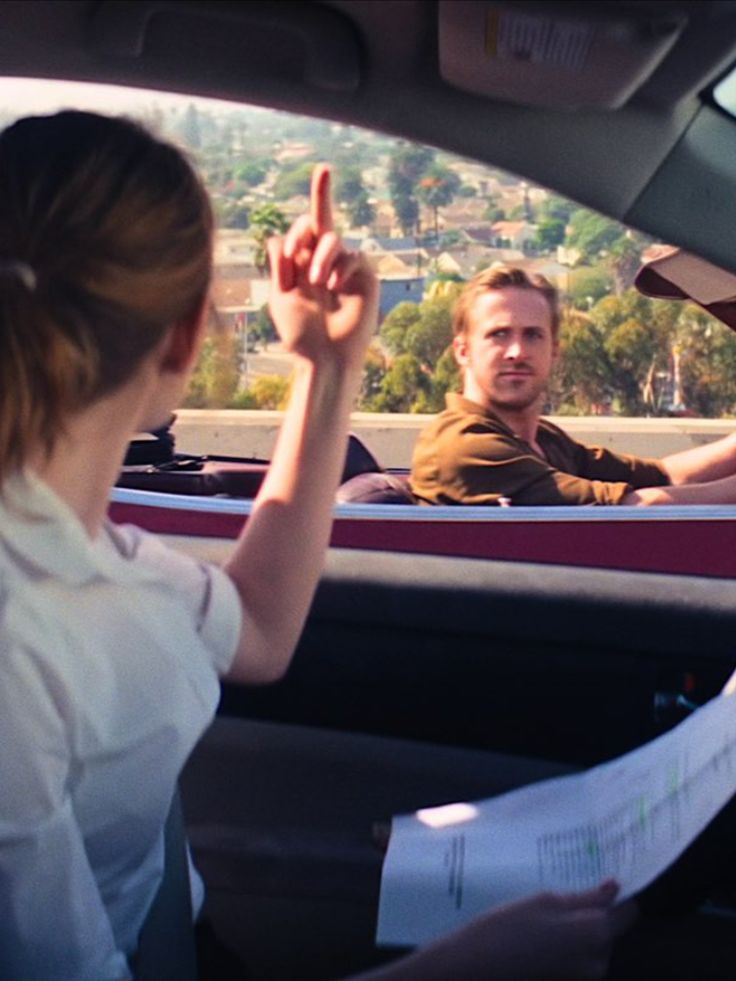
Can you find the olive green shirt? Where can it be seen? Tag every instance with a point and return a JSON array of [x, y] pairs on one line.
[[468, 456]]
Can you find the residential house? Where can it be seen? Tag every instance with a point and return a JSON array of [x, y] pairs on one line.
[[397, 288], [238, 288], [466, 260], [557, 274], [568, 256], [463, 212], [374, 244], [514, 234], [292, 151]]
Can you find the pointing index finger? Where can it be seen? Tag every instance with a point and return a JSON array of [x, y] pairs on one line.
[[320, 203]]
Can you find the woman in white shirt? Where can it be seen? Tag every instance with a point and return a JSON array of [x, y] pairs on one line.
[[111, 644]]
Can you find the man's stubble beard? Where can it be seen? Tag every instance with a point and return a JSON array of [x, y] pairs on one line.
[[522, 402]]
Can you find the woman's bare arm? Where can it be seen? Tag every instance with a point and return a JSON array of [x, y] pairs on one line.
[[324, 303]]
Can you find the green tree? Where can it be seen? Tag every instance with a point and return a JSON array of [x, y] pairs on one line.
[[622, 354], [293, 180], [624, 261], [450, 238], [437, 188], [406, 166], [588, 285], [348, 184], [494, 212], [429, 337], [396, 324], [406, 208], [401, 385], [583, 377], [243, 400], [591, 233], [550, 233], [350, 191], [266, 221], [361, 212], [556, 207], [263, 328], [216, 375], [635, 357], [251, 172], [638, 335], [374, 370], [271, 391], [445, 378], [707, 362]]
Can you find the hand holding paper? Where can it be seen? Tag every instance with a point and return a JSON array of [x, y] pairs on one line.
[[628, 819]]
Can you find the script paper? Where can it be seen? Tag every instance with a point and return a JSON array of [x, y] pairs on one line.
[[627, 819]]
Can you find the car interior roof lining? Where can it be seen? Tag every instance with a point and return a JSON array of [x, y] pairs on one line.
[[196, 48]]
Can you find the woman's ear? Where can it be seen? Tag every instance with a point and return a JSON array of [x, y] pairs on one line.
[[183, 341]]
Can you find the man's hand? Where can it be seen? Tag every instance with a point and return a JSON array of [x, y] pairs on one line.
[[323, 298]]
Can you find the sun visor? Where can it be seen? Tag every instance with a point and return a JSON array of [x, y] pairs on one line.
[[668, 273], [593, 56]]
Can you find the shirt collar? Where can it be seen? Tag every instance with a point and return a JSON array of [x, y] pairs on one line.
[[458, 403]]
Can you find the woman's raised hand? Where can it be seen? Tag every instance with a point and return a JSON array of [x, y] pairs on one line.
[[324, 299]]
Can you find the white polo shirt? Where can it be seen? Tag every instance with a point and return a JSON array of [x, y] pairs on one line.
[[110, 652]]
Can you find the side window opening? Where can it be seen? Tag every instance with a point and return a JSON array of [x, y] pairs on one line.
[[429, 220]]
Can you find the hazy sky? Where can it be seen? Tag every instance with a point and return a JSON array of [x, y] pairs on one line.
[[40, 95]]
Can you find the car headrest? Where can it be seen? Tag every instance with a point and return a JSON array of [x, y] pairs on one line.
[[358, 459]]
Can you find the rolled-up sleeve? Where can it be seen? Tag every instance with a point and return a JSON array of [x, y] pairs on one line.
[[208, 592], [597, 463]]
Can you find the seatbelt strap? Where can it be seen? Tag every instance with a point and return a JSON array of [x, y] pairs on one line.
[[166, 946]]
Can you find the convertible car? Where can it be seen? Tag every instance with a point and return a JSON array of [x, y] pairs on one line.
[[427, 678], [211, 498]]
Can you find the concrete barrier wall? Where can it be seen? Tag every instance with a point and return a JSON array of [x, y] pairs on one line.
[[391, 437]]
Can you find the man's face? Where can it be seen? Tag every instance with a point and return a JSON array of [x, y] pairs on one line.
[[508, 351]]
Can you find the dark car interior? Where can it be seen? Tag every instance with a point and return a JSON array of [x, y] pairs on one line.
[[420, 680]]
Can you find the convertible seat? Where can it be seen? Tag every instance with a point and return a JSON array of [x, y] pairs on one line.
[[153, 465], [364, 481], [375, 488]]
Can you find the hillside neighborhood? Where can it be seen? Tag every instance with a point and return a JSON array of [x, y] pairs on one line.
[[467, 240], [428, 221]]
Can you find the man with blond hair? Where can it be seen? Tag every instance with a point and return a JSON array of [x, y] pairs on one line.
[[491, 446]]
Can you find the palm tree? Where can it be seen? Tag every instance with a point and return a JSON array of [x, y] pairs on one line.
[[266, 221], [437, 187]]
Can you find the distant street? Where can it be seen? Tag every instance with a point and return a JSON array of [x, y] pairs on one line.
[[274, 361]]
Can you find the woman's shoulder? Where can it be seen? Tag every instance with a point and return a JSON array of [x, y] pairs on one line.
[[145, 555], [31, 630]]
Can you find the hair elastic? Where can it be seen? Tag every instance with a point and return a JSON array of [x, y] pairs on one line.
[[20, 270]]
